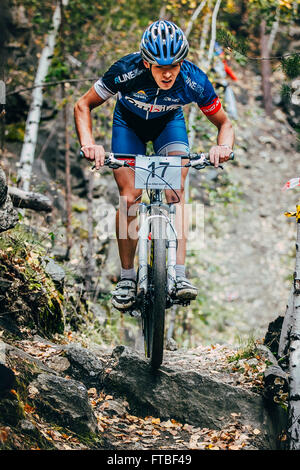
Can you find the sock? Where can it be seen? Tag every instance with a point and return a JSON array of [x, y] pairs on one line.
[[180, 270], [128, 274]]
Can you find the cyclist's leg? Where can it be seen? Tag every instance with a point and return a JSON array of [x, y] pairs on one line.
[[124, 140]]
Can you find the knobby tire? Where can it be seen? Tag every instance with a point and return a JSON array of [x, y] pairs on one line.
[[156, 320]]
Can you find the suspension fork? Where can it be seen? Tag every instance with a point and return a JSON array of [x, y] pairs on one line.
[[142, 286], [171, 250]]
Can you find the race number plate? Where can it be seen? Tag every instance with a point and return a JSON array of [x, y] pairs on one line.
[[157, 172]]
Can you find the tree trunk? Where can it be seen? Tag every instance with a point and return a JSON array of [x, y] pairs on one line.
[[30, 200], [266, 71], [33, 119], [90, 261], [294, 362], [4, 34], [68, 192]]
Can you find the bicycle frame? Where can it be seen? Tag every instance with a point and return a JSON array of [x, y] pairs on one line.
[[145, 214]]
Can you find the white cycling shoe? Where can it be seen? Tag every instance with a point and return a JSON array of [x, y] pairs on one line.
[[185, 290], [123, 297]]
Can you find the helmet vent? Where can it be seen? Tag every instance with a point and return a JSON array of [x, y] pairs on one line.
[[164, 43]]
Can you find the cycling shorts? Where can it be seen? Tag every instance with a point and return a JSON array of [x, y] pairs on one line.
[[130, 133]]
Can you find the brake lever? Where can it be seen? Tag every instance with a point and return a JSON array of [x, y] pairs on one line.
[[110, 164]]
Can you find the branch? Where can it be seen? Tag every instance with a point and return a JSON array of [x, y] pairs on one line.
[[274, 29], [45, 84], [194, 17], [213, 31], [29, 200]]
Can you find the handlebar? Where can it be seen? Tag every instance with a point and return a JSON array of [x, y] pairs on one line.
[[196, 160]]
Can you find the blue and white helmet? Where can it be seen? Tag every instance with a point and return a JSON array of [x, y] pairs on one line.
[[164, 43]]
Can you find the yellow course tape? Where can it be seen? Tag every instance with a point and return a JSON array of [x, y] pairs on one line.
[[294, 214]]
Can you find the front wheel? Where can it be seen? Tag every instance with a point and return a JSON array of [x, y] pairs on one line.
[[158, 293]]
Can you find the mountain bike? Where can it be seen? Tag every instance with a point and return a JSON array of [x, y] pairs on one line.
[[157, 240]]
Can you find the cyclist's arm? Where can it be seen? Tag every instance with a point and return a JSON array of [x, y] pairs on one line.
[[220, 153], [83, 124]]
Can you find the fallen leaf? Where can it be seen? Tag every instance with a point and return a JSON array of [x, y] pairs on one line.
[[155, 421], [3, 435], [28, 408]]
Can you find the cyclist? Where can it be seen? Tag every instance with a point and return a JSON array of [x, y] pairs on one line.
[[151, 85]]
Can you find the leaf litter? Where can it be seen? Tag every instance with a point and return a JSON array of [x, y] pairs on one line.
[[126, 431]]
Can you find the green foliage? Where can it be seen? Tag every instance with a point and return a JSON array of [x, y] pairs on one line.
[[39, 14], [285, 92], [247, 350], [59, 70], [21, 255], [291, 66], [230, 42], [15, 132]]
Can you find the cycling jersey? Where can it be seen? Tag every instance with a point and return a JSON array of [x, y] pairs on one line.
[[139, 93]]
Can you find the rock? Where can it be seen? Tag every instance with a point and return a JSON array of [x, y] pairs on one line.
[[55, 271], [8, 215], [64, 402], [171, 345], [273, 333], [84, 366], [59, 364], [268, 139], [185, 395], [26, 366], [280, 116], [27, 426], [116, 407]]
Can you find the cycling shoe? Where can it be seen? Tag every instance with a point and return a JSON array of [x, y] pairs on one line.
[[123, 297], [185, 290]]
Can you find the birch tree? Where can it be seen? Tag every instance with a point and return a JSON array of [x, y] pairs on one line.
[[33, 119], [203, 61]]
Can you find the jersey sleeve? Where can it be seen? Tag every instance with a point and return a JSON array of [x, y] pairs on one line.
[[107, 85], [119, 76], [209, 103], [199, 89]]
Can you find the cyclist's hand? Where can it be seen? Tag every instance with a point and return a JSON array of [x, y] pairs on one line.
[[94, 152], [219, 154]]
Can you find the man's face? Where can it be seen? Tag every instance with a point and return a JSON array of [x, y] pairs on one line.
[[164, 75]]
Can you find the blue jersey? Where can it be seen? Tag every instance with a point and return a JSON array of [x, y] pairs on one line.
[[138, 92]]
